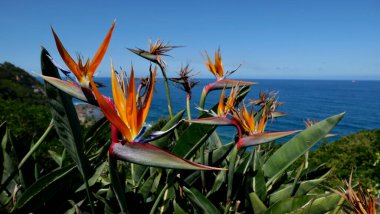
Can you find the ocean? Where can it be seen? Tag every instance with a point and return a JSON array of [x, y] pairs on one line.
[[302, 99]]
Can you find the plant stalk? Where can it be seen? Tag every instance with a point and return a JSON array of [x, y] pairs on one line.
[[163, 71], [159, 198], [188, 98]]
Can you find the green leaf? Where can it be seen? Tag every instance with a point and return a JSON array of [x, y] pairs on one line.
[[164, 141], [56, 157], [297, 146], [195, 134], [290, 204], [322, 204], [9, 171], [219, 154], [303, 188], [44, 188], [146, 187], [65, 117], [233, 158], [200, 200], [97, 132], [36, 145], [178, 209], [149, 155], [66, 121], [116, 185], [257, 205], [218, 182], [20, 149], [215, 157], [94, 178]]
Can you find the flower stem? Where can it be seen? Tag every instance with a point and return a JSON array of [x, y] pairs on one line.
[[188, 98], [168, 97], [158, 199], [167, 90], [203, 99]]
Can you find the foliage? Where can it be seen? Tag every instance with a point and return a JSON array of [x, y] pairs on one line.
[[359, 152], [17, 84]]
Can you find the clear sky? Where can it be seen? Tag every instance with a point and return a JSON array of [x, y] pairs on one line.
[[316, 39]]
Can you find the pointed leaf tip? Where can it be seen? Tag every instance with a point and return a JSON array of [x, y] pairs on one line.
[[149, 155], [265, 137]]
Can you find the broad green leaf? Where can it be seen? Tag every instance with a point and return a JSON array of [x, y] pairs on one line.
[[56, 157], [65, 117], [94, 178], [9, 171], [322, 204], [260, 138], [218, 182], [146, 187], [200, 200], [215, 157], [195, 134], [218, 155], [116, 185], [149, 155], [44, 188], [164, 141], [303, 188], [257, 205], [178, 209], [97, 132], [233, 159], [297, 146], [290, 204]]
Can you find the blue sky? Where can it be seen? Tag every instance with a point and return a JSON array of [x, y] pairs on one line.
[[319, 39]]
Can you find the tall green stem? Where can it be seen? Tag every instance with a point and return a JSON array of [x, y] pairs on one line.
[[168, 97], [203, 99], [158, 199], [188, 98], [167, 90], [202, 149]]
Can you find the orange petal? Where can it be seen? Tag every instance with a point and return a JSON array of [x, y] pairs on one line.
[[221, 103], [143, 111], [66, 57], [102, 50], [263, 121], [218, 63], [209, 64], [118, 95], [110, 113], [132, 108]]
